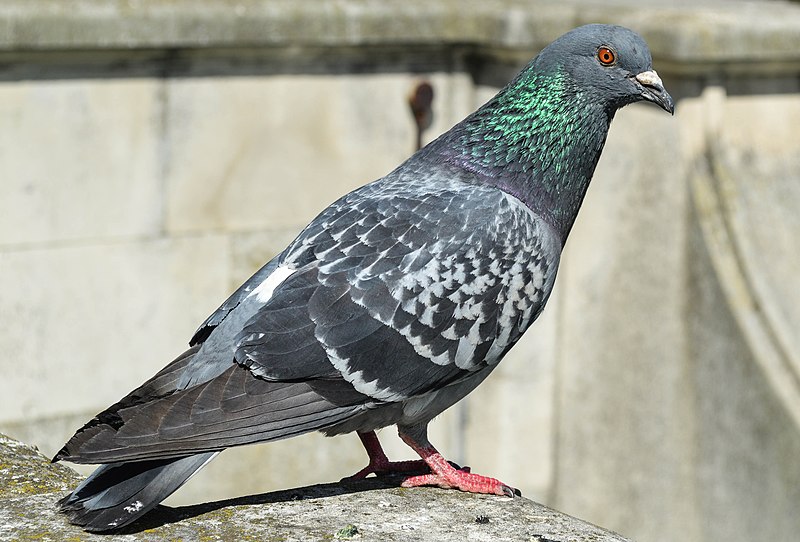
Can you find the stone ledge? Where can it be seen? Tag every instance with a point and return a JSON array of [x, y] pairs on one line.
[[732, 32], [368, 510]]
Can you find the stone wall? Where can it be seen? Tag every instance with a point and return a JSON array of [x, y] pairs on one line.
[[153, 155]]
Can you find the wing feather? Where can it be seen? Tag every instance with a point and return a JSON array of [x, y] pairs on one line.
[[403, 295]]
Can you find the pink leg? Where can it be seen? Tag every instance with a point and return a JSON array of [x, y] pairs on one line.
[[444, 475], [379, 463]]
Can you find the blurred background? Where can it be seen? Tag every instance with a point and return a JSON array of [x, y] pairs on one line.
[[154, 153]]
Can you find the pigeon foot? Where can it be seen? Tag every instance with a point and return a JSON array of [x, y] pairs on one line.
[[445, 474], [447, 477]]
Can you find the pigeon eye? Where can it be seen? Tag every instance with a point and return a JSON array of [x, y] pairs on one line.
[[606, 56]]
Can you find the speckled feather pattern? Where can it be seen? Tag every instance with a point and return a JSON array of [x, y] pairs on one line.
[[407, 285]]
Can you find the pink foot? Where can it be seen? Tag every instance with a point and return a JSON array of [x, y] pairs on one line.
[[447, 477]]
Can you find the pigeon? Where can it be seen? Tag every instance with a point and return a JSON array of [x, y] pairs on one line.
[[390, 306]]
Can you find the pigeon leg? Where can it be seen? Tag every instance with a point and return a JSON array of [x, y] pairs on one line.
[[379, 464], [444, 475]]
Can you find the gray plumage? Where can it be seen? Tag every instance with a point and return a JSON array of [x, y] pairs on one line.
[[389, 307]]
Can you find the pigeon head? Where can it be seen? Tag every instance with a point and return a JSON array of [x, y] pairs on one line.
[[540, 138], [611, 63]]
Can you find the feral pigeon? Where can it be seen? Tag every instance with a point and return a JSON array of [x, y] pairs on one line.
[[392, 304]]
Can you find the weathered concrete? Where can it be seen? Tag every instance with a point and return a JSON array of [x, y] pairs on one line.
[[691, 34], [368, 510], [144, 288], [747, 191], [97, 183], [360, 127], [746, 310]]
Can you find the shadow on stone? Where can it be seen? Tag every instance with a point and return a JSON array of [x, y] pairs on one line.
[[163, 515]]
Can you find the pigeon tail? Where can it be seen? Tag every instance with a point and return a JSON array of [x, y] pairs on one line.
[[117, 494]]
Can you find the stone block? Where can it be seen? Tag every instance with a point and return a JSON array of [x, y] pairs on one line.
[[742, 339], [250, 153], [79, 159], [87, 324], [745, 469], [759, 154]]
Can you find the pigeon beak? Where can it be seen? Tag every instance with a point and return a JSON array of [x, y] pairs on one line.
[[653, 91]]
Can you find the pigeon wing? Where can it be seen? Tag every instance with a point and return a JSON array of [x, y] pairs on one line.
[[401, 291], [241, 293]]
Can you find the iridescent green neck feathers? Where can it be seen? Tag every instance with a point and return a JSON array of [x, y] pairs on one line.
[[539, 139]]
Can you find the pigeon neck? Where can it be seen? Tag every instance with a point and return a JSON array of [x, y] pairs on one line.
[[539, 140]]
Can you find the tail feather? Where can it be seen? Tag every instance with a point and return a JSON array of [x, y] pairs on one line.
[[166, 429], [159, 421], [117, 494], [156, 437]]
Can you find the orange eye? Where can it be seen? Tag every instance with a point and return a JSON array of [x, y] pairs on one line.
[[606, 56]]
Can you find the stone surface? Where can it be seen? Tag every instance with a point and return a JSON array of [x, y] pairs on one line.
[[743, 284], [24, 472], [368, 510], [758, 175], [689, 33], [746, 473], [65, 160], [355, 129], [90, 322]]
